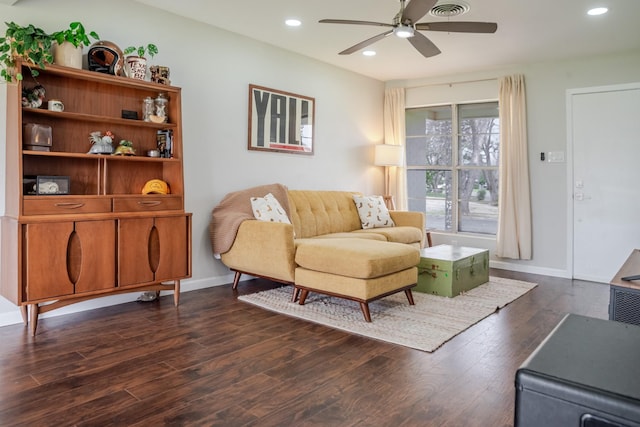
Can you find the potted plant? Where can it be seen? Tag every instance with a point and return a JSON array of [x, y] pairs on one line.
[[30, 44], [67, 50], [136, 66]]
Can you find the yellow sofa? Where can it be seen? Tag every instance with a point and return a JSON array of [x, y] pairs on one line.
[[325, 249]]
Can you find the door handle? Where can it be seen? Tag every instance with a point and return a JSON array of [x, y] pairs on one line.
[[149, 203], [69, 205], [581, 197]]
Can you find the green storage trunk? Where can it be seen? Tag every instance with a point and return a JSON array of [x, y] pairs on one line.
[[449, 270]]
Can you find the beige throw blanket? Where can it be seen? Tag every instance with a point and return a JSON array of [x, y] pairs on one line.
[[235, 208]]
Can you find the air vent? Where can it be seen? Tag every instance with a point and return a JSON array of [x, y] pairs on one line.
[[448, 9]]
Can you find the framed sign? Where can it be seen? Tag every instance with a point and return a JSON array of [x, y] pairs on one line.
[[280, 121]]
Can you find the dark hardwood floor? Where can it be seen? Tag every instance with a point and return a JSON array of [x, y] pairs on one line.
[[217, 361]]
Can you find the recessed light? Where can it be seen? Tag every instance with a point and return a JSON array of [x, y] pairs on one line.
[[597, 11], [293, 22], [369, 53]]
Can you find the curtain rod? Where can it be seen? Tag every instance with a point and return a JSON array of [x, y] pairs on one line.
[[452, 83]]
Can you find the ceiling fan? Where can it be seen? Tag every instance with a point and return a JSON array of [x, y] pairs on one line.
[[404, 25]]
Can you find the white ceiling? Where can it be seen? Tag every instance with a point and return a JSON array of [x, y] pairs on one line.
[[528, 31]]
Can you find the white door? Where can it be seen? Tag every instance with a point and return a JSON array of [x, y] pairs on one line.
[[605, 135]]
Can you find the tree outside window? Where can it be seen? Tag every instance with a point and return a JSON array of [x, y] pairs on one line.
[[454, 150]]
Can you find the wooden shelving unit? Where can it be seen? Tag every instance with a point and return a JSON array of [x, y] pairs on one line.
[[104, 236]]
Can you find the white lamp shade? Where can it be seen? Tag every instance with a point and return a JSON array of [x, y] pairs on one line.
[[388, 155]]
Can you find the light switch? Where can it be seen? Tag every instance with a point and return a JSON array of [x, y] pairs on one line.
[[555, 156]]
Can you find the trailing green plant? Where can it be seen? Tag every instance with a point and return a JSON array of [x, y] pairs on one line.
[[142, 50], [30, 44], [75, 34]]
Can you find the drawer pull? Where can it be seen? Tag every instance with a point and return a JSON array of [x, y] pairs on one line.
[[69, 205], [149, 203]]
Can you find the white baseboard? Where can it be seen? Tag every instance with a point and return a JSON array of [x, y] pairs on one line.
[[13, 317], [502, 265], [10, 318]]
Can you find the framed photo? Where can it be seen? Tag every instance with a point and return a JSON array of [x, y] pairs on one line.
[[280, 121]]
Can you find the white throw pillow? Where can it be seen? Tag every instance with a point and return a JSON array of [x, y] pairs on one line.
[[373, 212], [268, 208]]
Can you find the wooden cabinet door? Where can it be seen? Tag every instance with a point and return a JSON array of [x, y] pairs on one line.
[[92, 255], [134, 237], [45, 273], [173, 248], [65, 258], [153, 249]]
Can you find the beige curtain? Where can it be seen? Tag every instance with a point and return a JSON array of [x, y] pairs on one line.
[[394, 134], [514, 225]]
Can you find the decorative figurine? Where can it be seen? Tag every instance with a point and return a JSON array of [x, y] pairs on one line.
[[125, 149], [101, 144], [33, 97], [160, 74]]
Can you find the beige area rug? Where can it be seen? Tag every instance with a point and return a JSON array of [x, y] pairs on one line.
[[428, 324]]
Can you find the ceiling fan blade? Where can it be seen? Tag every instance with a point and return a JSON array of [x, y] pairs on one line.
[[365, 43], [349, 21], [424, 45], [416, 9], [458, 27]]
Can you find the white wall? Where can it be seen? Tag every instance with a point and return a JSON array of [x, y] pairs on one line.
[[546, 86], [214, 69]]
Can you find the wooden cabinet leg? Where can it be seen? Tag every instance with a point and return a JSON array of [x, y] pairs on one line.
[[25, 314], [34, 310], [176, 292]]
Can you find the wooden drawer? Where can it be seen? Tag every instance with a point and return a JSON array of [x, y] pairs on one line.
[[55, 205], [147, 203]]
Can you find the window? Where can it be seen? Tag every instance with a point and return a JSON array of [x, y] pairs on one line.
[[453, 150]]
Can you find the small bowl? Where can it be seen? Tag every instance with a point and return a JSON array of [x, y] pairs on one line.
[[153, 153]]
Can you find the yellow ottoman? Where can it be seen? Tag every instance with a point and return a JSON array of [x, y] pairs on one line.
[[361, 270]]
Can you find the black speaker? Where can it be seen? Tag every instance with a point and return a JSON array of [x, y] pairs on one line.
[[624, 305]]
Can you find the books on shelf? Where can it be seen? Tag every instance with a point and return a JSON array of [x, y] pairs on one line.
[[164, 140]]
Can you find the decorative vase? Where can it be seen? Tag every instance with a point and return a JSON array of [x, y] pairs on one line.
[[135, 67], [67, 54]]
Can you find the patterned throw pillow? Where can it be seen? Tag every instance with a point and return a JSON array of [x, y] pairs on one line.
[[373, 212], [268, 208]]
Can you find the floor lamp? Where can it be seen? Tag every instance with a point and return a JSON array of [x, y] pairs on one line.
[[388, 156]]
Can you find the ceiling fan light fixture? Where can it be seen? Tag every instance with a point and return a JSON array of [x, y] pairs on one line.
[[403, 31], [293, 22]]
